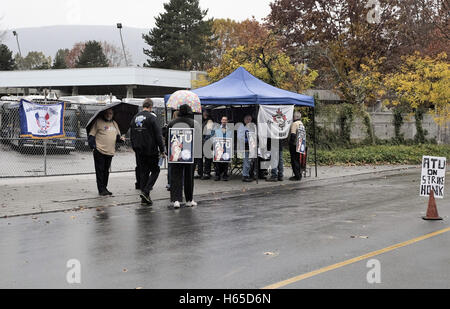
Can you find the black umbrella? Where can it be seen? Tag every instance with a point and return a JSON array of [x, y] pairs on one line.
[[123, 114]]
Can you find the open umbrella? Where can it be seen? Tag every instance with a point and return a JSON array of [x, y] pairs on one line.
[[123, 114], [183, 97]]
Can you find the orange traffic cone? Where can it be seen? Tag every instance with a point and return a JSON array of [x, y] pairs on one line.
[[432, 213]]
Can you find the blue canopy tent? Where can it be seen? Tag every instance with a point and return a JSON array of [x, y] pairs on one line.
[[244, 89]]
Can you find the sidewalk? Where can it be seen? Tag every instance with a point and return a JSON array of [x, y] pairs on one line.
[[31, 196]]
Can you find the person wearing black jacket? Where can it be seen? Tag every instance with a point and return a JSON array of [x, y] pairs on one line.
[[183, 174], [147, 142]]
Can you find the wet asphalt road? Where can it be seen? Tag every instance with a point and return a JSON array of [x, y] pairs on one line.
[[241, 242]]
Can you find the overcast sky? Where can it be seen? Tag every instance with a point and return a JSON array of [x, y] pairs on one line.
[[132, 13]]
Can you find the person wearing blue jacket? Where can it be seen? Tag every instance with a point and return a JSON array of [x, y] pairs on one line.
[[221, 168]]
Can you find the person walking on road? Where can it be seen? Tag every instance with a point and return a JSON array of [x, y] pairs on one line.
[[295, 156], [103, 137], [137, 169], [182, 175], [147, 142]]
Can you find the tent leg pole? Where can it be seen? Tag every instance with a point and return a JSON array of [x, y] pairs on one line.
[[167, 116], [256, 162], [314, 133]]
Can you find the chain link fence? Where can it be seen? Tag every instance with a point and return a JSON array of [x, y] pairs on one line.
[[22, 157]]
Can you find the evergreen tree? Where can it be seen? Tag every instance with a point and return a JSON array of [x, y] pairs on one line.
[[92, 56], [60, 59], [7, 62], [182, 39]]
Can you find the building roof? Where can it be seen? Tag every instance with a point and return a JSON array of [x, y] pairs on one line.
[[96, 77]]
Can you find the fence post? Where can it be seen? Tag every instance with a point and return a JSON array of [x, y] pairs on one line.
[[45, 157]]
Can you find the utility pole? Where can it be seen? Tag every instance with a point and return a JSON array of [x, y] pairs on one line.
[[18, 45], [119, 26]]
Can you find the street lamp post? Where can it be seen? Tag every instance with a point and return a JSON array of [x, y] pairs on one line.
[[18, 45], [119, 26]]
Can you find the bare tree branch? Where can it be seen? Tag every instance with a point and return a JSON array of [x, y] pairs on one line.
[[2, 32]]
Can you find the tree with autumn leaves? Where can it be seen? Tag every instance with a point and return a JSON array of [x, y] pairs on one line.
[[422, 84], [354, 52], [253, 46]]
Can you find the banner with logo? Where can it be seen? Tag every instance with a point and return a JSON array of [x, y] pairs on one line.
[[223, 150], [275, 121], [181, 146], [41, 121]]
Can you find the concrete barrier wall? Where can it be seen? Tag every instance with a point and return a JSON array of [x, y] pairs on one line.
[[384, 127]]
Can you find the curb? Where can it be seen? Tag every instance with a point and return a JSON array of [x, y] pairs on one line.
[[206, 197]]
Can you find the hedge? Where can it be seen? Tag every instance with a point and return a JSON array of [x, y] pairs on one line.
[[400, 154]]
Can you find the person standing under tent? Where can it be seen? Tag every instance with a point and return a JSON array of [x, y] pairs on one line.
[[295, 156], [278, 170], [182, 175], [103, 137], [243, 136], [204, 164], [147, 142], [222, 168]]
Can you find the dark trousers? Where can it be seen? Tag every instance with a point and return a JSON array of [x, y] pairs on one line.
[[137, 172], [295, 161], [221, 169], [203, 167], [181, 175], [198, 163], [149, 171], [102, 166]]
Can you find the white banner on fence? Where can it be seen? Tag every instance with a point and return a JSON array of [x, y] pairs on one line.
[[275, 121], [41, 121], [433, 176]]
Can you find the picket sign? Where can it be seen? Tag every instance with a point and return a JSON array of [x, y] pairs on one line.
[[181, 148], [433, 176], [223, 150]]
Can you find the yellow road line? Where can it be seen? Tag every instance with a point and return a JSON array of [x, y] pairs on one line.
[[354, 260]]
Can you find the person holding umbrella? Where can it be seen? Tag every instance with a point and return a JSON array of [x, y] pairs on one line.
[[104, 133], [181, 161], [147, 142], [182, 175]]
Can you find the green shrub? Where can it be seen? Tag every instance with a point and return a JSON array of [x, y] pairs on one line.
[[381, 154]]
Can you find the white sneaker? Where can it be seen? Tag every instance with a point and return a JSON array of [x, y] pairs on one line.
[[191, 204], [176, 205]]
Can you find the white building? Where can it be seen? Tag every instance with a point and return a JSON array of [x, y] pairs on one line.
[[124, 82]]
